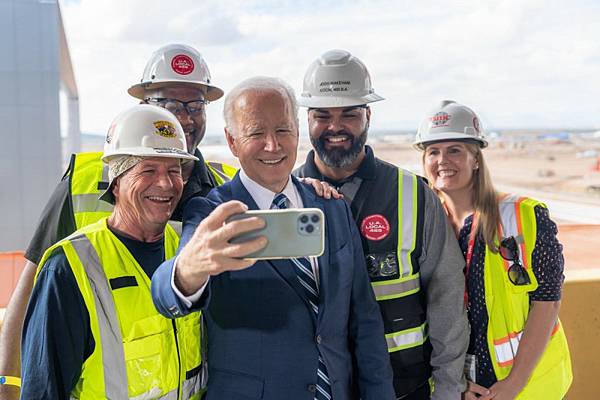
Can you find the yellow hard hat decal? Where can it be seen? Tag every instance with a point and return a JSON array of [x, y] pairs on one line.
[[165, 129]]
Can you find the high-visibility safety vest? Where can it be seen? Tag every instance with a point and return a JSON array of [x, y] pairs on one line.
[[138, 353], [399, 295], [88, 177], [388, 207], [508, 308]]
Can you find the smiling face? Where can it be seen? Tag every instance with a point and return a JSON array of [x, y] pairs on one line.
[[450, 166], [147, 194], [264, 136], [339, 134]]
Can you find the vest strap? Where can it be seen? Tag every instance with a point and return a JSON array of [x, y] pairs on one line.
[[113, 356], [90, 203], [408, 338], [393, 289], [407, 220]]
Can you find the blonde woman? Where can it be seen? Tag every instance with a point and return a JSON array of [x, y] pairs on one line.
[[514, 266]]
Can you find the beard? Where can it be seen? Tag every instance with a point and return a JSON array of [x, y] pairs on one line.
[[339, 157]]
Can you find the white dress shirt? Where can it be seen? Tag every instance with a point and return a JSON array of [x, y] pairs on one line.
[[263, 198]]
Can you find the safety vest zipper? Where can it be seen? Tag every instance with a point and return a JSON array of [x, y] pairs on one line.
[[178, 359]]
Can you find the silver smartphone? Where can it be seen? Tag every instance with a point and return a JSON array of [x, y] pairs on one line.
[[292, 232]]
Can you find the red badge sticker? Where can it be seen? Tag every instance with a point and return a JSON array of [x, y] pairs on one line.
[[182, 64], [440, 119], [375, 227]]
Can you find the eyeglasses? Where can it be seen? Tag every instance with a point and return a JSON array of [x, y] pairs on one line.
[[193, 108], [509, 250]]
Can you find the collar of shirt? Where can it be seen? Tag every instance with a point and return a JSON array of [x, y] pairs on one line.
[[263, 197], [367, 169]]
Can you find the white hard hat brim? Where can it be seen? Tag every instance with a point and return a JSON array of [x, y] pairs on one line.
[[332, 102], [150, 152], [140, 90], [449, 136]]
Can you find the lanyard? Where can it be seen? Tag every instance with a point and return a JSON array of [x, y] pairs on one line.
[[469, 257]]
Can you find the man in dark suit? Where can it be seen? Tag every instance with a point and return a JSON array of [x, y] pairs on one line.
[[281, 329]]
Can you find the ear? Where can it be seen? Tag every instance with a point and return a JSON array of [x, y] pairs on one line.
[[115, 187], [231, 142], [368, 114]]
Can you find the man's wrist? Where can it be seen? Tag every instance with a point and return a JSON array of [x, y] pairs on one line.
[[187, 284]]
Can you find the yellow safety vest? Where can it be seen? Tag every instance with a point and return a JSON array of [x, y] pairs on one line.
[[408, 283], [138, 353], [508, 309], [89, 178]]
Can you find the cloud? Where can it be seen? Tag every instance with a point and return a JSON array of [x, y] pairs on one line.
[[518, 63]]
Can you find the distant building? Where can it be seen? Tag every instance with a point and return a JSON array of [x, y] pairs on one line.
[[39, 103]]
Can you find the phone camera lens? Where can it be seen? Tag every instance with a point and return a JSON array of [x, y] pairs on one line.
[[310, 228], [314, 218], [304, 219]]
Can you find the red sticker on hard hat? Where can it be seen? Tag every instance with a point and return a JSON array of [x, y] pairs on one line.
[[165, 129], [440, 119], [182, 64], [375, 227]]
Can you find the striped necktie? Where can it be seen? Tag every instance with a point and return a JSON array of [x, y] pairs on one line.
[[307, 279]]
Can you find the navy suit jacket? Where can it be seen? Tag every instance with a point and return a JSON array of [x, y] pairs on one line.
[[263, 338]]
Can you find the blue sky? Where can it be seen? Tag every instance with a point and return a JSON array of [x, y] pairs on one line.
[[525, 63]]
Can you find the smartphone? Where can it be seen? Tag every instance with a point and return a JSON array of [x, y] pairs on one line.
[[291, 232]]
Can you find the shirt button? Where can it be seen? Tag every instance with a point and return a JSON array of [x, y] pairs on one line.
[[318, 339], [312, 388]]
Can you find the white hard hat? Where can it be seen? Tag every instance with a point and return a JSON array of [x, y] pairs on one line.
[[337, 79], [176, 64], [450, 121], [146, 131]]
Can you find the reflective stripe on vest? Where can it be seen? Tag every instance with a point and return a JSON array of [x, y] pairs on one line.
[[406, 339], [510, 215], [393, 289], [111, 341], [407, 220], [506, 348]]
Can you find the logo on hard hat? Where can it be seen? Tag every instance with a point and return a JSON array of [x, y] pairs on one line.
[[476, 124], [165, 129], [182, 64], [440, 119]]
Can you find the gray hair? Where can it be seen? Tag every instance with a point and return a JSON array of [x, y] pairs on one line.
[[258, 83]]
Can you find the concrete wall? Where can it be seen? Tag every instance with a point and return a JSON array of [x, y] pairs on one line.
[[580, 316], [30, 78]]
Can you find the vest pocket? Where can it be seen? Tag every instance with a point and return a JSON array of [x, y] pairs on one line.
[[150, 357]]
